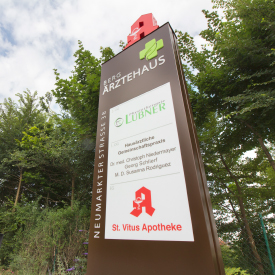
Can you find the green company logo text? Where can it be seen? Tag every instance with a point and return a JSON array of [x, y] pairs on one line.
[[151, 49], [145, 113], [132, 117]]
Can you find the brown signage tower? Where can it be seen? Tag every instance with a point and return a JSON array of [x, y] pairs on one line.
[[151, 210]]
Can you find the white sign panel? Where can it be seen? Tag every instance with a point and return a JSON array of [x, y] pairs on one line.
[[146, 190]]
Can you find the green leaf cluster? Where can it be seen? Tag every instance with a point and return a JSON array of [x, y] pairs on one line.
[[79, 94]]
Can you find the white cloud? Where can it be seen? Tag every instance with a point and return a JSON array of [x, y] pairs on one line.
[[38, 36]]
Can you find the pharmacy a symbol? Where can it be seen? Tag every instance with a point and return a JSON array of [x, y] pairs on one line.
[[143, 199]]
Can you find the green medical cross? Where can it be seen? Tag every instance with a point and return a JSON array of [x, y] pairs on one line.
[[151, 49]]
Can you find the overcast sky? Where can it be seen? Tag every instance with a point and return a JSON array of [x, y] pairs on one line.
[[37, 36]]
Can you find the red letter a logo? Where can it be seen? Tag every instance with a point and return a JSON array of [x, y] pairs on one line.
[[138, 203]]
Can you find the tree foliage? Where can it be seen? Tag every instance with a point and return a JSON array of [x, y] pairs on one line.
[[232, 96], [46, 170], [79, 94]]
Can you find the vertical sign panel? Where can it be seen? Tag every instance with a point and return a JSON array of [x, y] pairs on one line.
[[144, 154], [150, 211]]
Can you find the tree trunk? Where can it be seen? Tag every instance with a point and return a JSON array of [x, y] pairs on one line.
[[47, 202], [19, 187], [234, 211], [72, 197], [269, 157], [260, 140], [244, 219]]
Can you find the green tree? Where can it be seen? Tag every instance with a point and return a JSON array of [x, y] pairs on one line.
[[55, 159], [238, 185], [235, 69], [232, 97], [79, 94], [47, 164], [14, 119]]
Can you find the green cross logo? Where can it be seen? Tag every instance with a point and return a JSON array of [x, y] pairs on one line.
[[151, 49]]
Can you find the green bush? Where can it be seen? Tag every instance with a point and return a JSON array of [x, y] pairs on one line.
[[235, 271], [36, 238], [231, 261]]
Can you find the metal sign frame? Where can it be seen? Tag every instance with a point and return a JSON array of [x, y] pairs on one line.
[[160, 256]]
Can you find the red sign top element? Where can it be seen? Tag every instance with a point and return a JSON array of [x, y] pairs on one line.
[[142, 27]]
